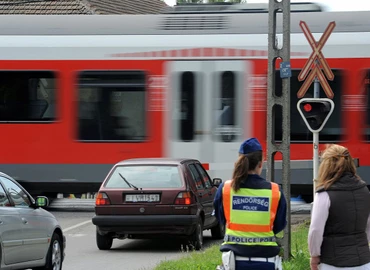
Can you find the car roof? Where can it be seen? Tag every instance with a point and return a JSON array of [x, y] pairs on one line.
[[155, 161], [5, 175]]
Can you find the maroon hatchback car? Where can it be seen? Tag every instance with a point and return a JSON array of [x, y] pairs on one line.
[[142, 198]]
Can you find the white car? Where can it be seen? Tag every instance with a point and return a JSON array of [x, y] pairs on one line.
[[30, 237]]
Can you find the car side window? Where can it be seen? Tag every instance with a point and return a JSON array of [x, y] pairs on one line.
[[4, 200], [204, 175], [18, 196], [196, 177]]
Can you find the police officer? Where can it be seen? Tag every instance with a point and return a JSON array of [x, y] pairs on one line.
[[254, 211]]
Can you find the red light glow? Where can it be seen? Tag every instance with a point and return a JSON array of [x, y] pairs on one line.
[[307, 107]]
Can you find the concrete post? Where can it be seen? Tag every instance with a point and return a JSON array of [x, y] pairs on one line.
[[284, 102]]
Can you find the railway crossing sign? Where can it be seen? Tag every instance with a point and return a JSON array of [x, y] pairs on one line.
[[318, 61]]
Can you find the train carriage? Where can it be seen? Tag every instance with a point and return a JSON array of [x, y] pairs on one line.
[[80, 93]]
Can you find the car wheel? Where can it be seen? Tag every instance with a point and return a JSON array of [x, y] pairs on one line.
[[54, 258], [104, 242], [218, 231], [197, 236]]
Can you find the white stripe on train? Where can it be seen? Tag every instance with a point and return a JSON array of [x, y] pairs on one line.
[[294, 164]]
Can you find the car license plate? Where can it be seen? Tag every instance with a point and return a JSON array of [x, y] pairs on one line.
[[142, 197]]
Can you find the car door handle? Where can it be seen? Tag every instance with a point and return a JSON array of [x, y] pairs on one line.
[[1, 222], [24, 221]]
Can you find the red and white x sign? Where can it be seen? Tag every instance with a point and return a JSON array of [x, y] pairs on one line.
[[316, 55]]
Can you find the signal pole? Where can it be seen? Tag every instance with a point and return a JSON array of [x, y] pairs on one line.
[[316, 94], [284, 101]]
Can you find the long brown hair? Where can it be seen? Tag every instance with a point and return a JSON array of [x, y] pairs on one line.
[[244, 164], [240, 172], [335, 161]]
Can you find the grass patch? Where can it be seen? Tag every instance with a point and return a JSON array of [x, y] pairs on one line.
[[211, 257], [196, 260], [299, 249]]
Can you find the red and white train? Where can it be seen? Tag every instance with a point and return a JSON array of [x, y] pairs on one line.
[[80, 93]]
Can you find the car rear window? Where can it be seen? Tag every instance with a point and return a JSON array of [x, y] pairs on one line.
[[148, 176]]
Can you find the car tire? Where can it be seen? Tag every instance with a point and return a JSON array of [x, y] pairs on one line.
[[104, 242], [197, 236], [54, 258], [218, 231]]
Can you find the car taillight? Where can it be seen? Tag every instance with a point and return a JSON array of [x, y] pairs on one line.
[[184, 198], [102, 199]]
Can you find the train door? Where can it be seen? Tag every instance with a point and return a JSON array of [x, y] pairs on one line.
[[207, 112]]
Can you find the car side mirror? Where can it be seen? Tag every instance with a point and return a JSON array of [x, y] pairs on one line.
[[41, 201], [217, 182]]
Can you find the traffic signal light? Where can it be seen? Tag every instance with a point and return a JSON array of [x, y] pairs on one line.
[[315, 112]]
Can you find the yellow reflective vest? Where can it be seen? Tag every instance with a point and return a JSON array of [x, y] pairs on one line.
[[250, 215]]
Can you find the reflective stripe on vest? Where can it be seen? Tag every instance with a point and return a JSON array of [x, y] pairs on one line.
[[237, 239], [252, 206]]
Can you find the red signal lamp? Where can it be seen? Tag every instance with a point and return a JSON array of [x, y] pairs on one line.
[[307, 107], [315, 112]]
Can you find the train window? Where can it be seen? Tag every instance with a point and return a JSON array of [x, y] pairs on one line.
[[112, 106], [333, 130], [366, 94], [226, 119], [27, 96], [187, 106]]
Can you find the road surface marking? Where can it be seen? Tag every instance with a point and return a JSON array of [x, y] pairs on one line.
[[76, 226]]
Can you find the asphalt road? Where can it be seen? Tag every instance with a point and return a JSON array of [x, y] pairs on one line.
[[82, 252]]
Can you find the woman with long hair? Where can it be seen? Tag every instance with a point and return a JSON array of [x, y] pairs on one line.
[[253, 211], [339, 231]]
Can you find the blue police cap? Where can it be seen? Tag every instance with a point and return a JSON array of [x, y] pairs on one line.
[[249, 146]]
